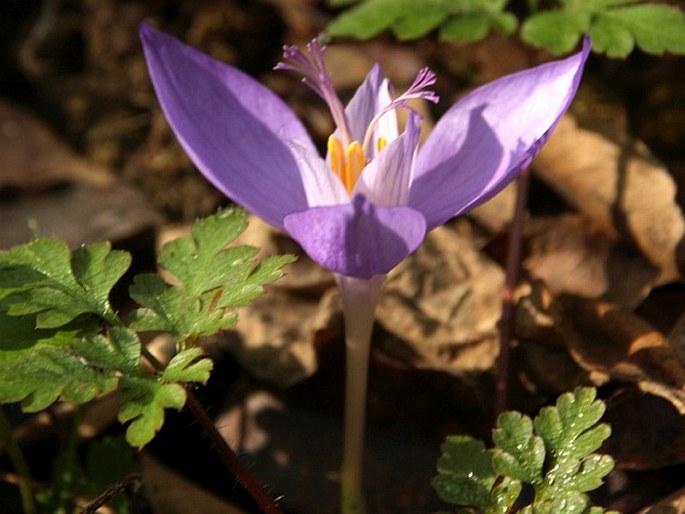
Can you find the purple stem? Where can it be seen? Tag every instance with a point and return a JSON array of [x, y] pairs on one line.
[[513, 266]]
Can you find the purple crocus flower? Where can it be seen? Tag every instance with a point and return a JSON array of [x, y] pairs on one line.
[[370, 202]]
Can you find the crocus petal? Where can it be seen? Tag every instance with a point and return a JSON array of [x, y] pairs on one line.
[[357, 239], [367, 101], [233, 128], [386, 179], [321, 185], [491, 135]]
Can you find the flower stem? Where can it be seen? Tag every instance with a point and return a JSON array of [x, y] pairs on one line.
[[511, 279], [360, 298], [20, 466]]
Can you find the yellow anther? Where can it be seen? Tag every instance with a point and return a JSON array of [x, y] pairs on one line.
[[381, 143], [336, 156], [356, 160], [348, 165]]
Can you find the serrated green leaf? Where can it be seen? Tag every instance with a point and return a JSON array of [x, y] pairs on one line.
[[611, 37], [561, 426], [18, 334], [187, 366], [504, 495], [45, 278], [571, 502], [47, 373], [466, 20], [519, 454], [555, 30], [592, 471], [420, 23], [144, 402], [212, 279], [367, 19], [467, 28], [656, 28], [465, 472]]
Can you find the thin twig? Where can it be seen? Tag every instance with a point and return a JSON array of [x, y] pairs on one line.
[[513, 266], [266, 504], [16, 456]]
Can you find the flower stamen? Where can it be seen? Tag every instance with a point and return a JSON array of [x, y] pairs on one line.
[[347, 164], [312, 66]]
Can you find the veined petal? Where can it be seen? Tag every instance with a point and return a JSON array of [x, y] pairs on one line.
[[233, 128], [491, 135], [357, 239], [367, 101], [321, 185], [386, 179]]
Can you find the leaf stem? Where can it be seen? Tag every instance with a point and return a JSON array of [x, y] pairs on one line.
[[511, 279], [20, 465], [266, 504], [360, 298]]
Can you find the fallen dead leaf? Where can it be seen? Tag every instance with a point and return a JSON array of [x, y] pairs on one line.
[[611, 343], [621, 188], [442, 304], [572, 256], [647, 432]]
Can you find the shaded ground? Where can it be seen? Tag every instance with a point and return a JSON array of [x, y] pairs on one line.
[[86, 154]]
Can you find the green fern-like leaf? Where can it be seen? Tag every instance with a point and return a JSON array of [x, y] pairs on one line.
[[465, 472], [553, 454], [615, 27], [45, 278], [520, 454], [464, 20], [212, 279]]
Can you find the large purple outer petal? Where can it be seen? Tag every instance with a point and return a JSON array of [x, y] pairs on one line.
[[490, 136], [233, 128], [357, 239]]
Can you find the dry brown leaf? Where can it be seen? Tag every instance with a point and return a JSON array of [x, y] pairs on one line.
[[611, 343], [620, 188], [571, 256], [647, 432], [32, 157], [442, 304], [677, 337], [274, 338]]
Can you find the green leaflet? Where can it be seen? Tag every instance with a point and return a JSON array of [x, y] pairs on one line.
[[60, 339], [615, 26], [465, 20], [81, 368], [211, 280], [45, 278], [553, 454]]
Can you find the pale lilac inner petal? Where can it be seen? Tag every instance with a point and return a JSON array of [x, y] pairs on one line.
[[386, 179], [233, 128], [357, 239], [363, 105], [486, 139], [321, 185]]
